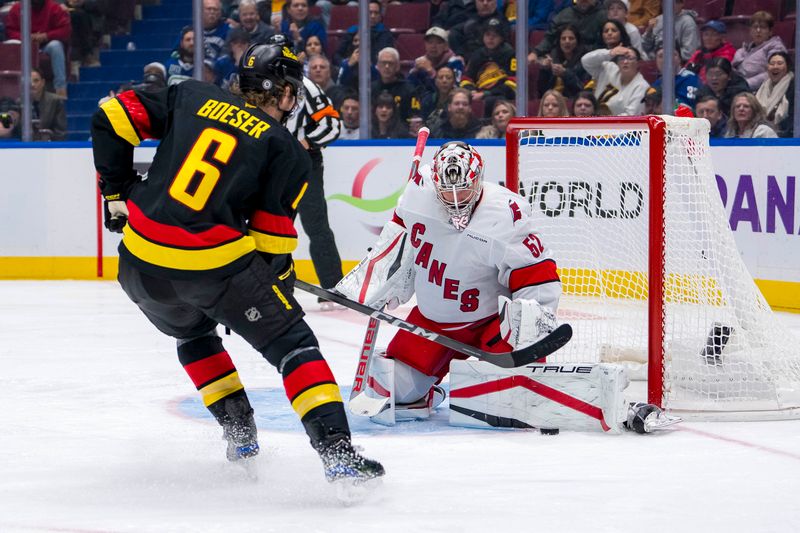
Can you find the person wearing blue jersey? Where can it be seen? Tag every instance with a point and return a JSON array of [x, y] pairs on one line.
[[687, 83]]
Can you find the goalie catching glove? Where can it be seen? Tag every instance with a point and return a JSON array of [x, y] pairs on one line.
[[385, 277], [523, 322]]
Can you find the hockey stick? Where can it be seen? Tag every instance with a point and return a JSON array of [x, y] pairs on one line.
[[360, 403], [525, 356]]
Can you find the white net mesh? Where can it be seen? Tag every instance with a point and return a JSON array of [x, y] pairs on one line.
[[724, 352]]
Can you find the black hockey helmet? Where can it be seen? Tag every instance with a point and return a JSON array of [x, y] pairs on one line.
[[264, 67]]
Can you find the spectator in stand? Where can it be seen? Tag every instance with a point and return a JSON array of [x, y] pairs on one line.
[[379, 36], [180, 64], [437, 55], [467, 37], [613, 34], [584, 105], [386, 122], [587, 16], [9, 119], [709, 108], [319, 71], [502, 113], [87, 24], [687, 84], [392, 81], [491, 69], [722, 82], [712, 44], [434, 103], [750, 60], [298, 25], [685, 33], [539, 13], [618, 10], [49, 115], [215, 29], [257, 30], [348, 68], [652, 101], [747, 119], [312, 47], [459, 123], [641, 12], [225, 67], [51, 31], [349, 111], [618, 85], [561, 69], [553, 105], [776, 94]]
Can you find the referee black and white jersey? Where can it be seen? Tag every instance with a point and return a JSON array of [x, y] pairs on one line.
[[315, 120]]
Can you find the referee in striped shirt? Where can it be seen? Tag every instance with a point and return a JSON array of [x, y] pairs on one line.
[[316, 124]]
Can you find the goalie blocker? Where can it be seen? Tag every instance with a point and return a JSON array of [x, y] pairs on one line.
[[578, 397]]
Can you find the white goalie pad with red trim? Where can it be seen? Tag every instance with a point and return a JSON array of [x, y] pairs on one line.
[[570, 396], [386, 275]]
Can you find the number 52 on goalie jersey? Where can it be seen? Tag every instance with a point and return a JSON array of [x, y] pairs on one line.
[[225, 181]]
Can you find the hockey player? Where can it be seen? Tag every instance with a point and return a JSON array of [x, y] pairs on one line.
[[207, 239], [481, 273]]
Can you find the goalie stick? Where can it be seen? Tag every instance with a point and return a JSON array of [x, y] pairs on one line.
[[360, 403], [525, 356]]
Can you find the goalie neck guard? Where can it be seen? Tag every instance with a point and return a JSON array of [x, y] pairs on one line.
[[458, 179]]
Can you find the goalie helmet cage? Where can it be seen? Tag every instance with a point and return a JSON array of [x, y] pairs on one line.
[[651, 274]]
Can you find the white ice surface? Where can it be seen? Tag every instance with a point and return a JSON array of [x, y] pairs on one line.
[[101, 432]]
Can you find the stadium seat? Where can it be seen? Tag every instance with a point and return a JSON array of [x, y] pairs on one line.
[[707, 9], [9, 84], [649, 70], [785, 30], [535, 37], [533, 108], [10, 56], [342, 17], [748, 7], [738, 30], [332, 45], [478, 107], [416, 16], [410, 45]]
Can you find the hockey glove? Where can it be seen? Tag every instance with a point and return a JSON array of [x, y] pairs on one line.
[[523, 322], [115, 210]]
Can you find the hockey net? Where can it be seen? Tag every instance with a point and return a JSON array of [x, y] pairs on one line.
[[651, 274]]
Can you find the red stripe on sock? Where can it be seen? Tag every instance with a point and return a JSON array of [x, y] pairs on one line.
[[206, 369], [305, 376]]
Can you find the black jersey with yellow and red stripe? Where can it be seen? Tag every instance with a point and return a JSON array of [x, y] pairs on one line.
[[224, 183]]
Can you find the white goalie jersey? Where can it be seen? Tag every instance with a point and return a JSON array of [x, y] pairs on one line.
[[460, 274]]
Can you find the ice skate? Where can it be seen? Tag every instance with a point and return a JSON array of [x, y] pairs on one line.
[[349, 471], [647, 418], [242, 437]]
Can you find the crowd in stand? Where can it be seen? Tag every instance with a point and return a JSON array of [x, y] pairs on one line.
[[593, 58]]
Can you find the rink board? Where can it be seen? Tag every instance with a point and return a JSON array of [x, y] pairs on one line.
[[49, 211]]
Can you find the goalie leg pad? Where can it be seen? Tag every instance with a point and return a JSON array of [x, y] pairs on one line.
[[579, 397], [413, 395]]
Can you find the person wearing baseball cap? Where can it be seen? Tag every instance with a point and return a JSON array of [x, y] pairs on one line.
[[437, 54], [712, 44]]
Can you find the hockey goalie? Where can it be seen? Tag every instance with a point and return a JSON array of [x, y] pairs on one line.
[[482, 275]]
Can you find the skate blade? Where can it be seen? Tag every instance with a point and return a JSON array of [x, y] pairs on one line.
[[355, 491], [249, 465]]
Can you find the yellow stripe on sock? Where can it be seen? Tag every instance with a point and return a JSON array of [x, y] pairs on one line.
[[316, 396], [219, 389]]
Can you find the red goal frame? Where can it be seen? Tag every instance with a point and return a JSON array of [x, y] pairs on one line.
[[657, 128]]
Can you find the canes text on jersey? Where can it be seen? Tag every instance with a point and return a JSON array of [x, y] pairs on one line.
[[233, 116], [450, 287]]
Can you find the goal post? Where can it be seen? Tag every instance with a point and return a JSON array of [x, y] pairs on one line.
[[651, 274]]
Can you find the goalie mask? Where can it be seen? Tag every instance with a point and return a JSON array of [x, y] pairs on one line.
[[458, 179]]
